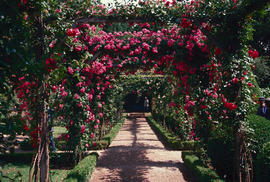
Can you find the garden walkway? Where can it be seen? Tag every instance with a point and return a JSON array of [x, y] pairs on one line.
[[136, 154]]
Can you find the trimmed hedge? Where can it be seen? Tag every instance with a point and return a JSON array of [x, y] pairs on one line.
[[202, 173], [171, 140], [174, 125], [108, 138], [83, 170]]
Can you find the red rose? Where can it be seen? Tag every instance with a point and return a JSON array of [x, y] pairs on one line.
[[82, 129], [78, 48], [250, 85], [235, 80], [217, 51], [230, 106], [254, 54]]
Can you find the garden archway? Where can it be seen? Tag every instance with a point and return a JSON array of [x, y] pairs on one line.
[[181, 50]]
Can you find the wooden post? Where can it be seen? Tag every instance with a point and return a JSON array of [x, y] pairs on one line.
[[40, 167], [44, 143]]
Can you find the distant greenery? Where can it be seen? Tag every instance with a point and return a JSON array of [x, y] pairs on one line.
[[261, 36], [260, 21], [262, 71], [58, 130]]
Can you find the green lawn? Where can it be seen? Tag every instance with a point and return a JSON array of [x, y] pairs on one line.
[[20, 172], [58, 130]]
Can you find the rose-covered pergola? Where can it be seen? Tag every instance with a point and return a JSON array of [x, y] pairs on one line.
[[184, 41]]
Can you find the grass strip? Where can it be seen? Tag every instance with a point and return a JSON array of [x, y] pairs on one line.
[[202, 173], [170, 140]]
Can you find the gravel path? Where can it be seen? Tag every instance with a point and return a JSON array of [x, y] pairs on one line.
[[136, 154]]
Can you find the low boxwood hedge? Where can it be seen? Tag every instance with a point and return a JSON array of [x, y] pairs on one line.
[[171, 140], [83, 170], [108, 138], [202, 173]]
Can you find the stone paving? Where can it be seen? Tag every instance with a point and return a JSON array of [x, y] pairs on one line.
[[136, 154]]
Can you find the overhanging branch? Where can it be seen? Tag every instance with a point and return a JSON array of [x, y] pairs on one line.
[[94, 57]]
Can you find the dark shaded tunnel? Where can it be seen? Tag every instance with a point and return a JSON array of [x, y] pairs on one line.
[[136, 103]]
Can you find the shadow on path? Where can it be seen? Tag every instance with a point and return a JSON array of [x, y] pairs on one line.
[[136, 156]]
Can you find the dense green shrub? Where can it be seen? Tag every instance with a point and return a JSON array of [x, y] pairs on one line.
[[263, 164], [221, 143], [221, 151], [261, 131], [203, 173]]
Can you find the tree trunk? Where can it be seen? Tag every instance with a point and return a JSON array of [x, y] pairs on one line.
[[40, 164]]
